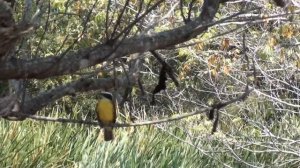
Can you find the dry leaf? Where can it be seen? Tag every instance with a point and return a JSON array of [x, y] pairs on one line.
[[225, 44], [287, 31], [272, 41], [226, 69]]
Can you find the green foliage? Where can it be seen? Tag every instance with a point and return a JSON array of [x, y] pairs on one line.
[[37, 144], [207, 74]]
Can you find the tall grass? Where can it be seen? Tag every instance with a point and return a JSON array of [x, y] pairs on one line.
[[185, 143]]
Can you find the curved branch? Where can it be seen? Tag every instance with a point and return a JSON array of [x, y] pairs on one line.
[[31, 106], [54, 66]]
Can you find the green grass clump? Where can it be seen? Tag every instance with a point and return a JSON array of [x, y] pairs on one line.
[[184, 143], [35, 144]]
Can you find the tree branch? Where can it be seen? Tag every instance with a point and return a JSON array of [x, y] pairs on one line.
[[72, 62], [96, 123], [32, 105]]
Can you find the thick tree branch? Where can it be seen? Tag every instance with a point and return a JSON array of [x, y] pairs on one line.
[[31, 106], [56, 65]]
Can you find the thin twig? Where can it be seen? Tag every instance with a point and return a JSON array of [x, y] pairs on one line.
[[89, 122]]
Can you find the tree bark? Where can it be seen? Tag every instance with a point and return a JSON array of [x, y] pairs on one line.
[[72, 62]]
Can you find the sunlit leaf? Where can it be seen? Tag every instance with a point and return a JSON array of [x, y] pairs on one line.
[[297, 63], [226, 70], [214, 73], [272, 41], [199, 46], [212, 61]]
